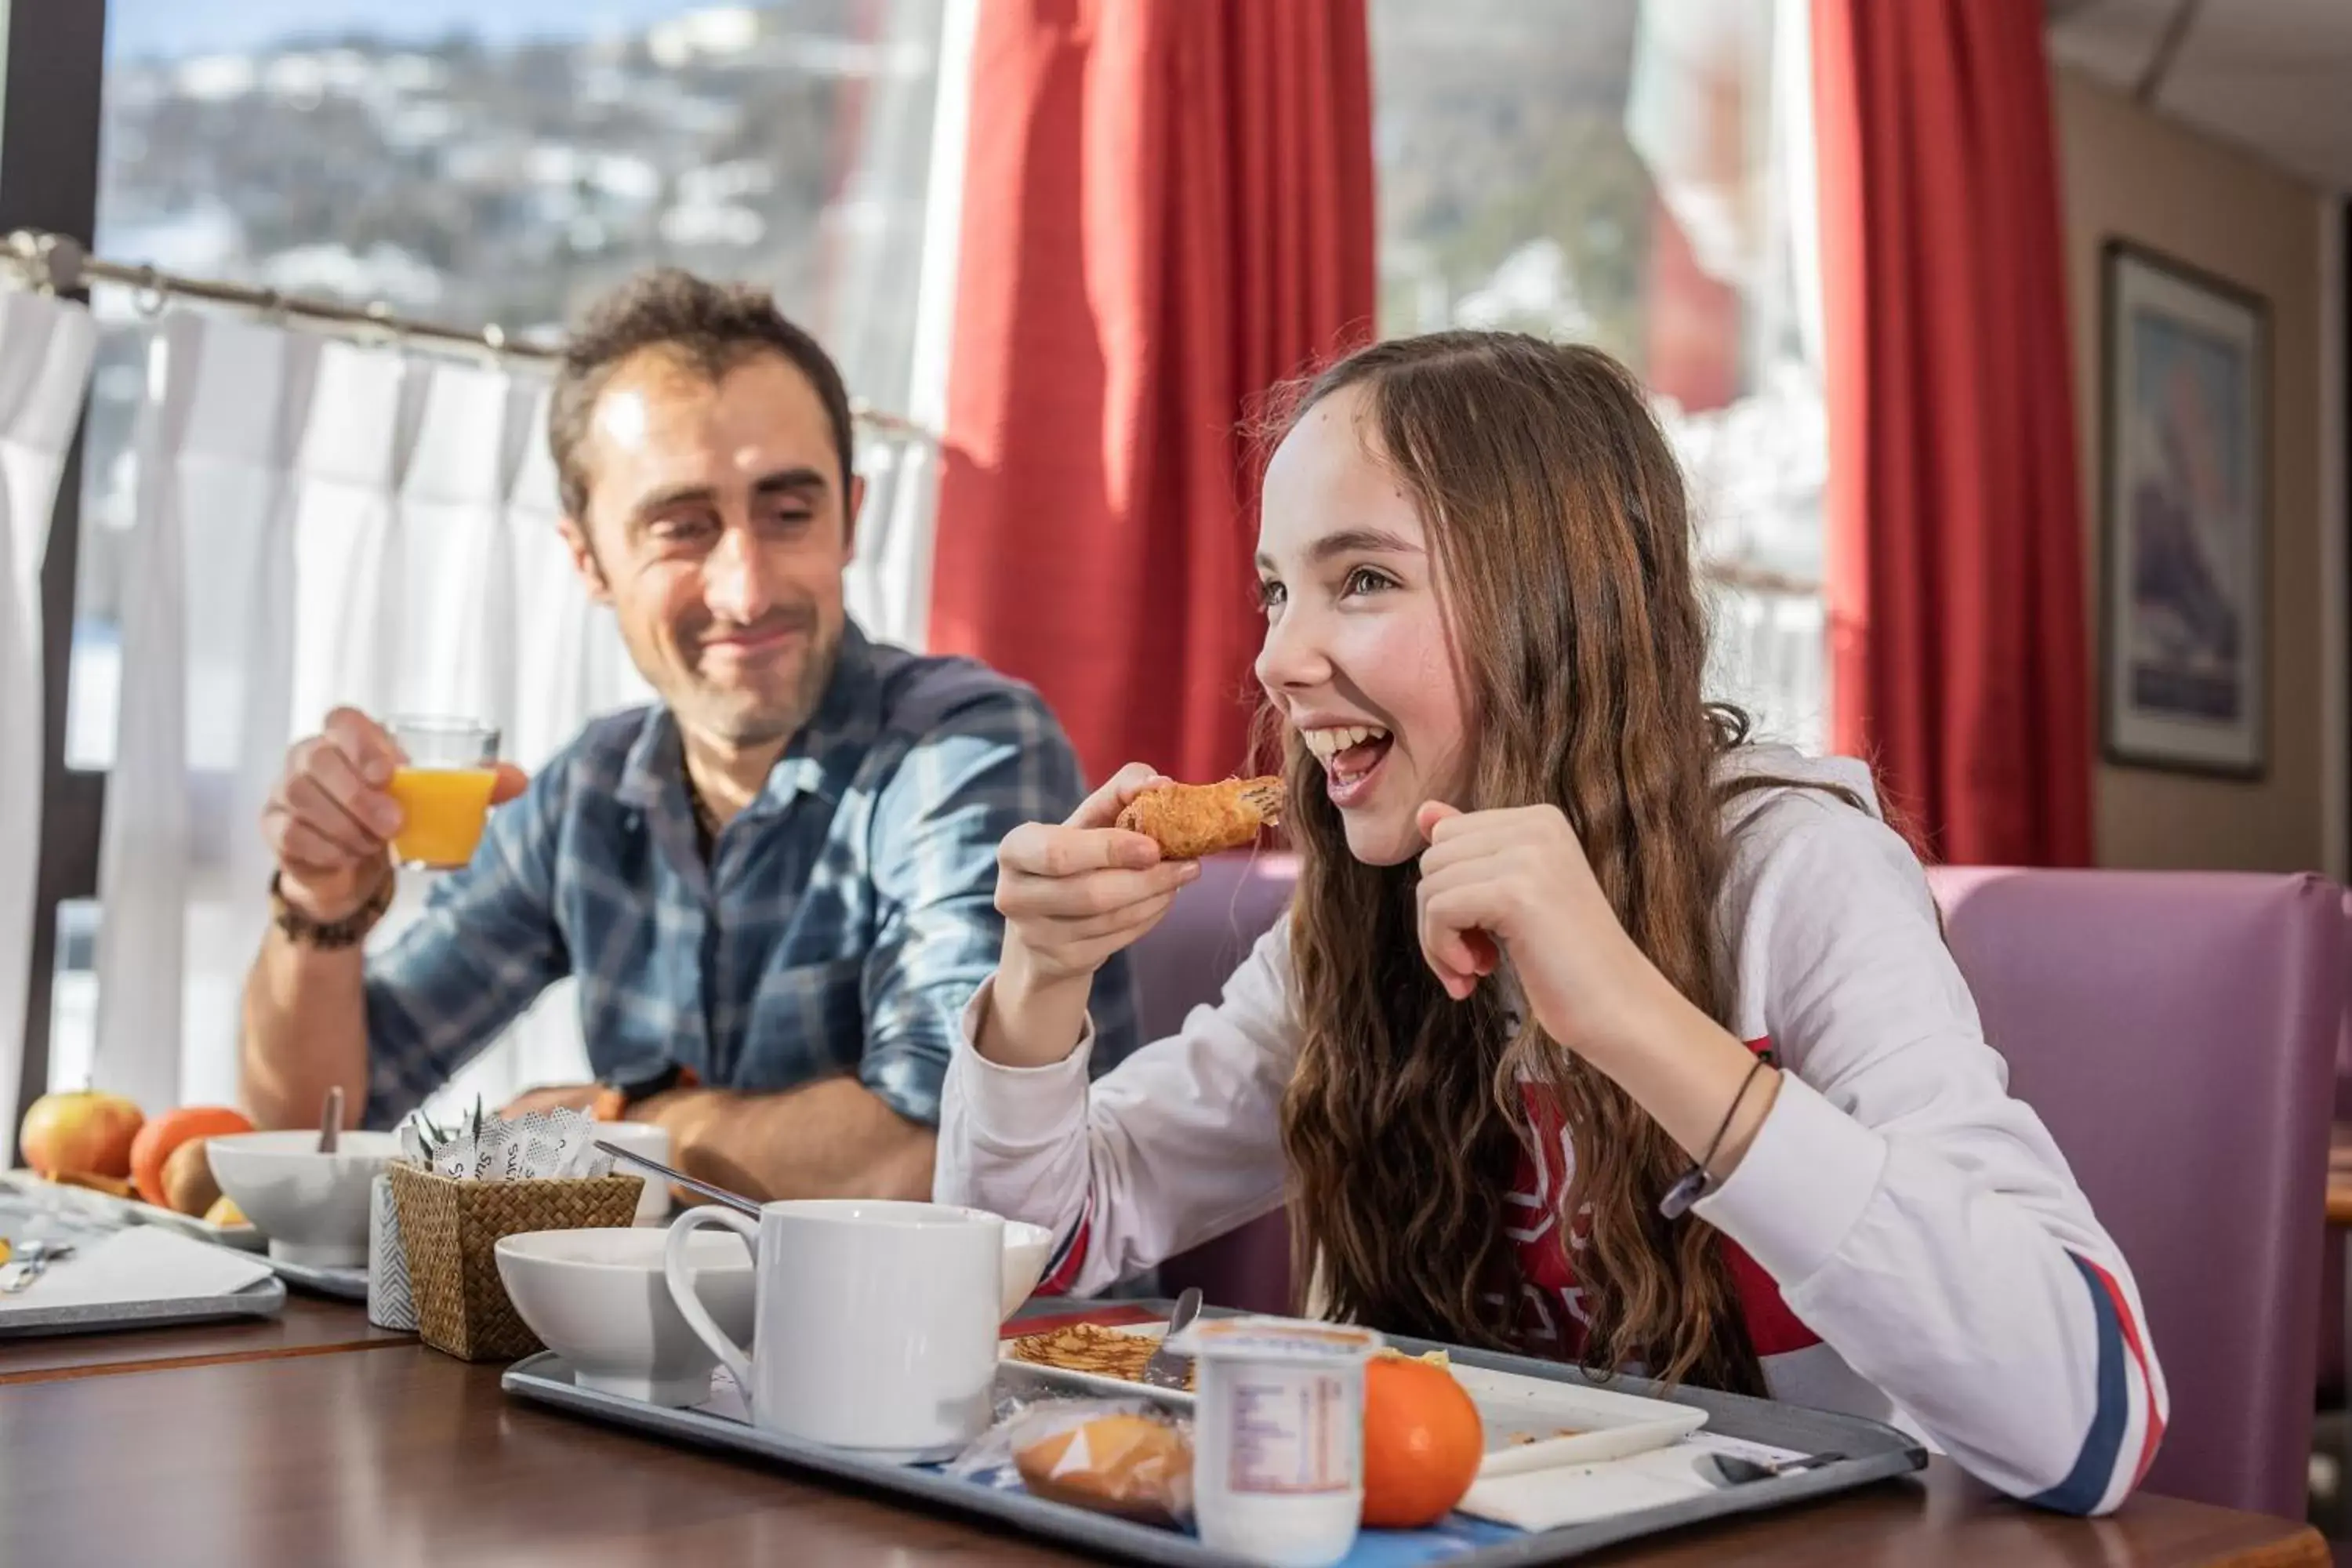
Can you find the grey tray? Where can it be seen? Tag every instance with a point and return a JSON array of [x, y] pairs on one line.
[[350, 1284], [1875, 1453], [120, 1211], [262, 1298]]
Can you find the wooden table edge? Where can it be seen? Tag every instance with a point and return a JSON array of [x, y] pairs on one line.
[[217, 1358], [2304, 1549]]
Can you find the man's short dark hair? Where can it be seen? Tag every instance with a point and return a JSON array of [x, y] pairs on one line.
[[712, 328]]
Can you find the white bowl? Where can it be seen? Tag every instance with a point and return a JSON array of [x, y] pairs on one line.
[[1026, 1247], [599, 1299], [313, 1207]]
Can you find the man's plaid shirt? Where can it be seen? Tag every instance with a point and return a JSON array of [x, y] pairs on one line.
[[844, 918]]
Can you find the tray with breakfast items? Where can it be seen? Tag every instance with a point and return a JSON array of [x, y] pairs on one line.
[[1467, 1457]]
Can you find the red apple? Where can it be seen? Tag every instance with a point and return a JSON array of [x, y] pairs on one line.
[[82, 1129]]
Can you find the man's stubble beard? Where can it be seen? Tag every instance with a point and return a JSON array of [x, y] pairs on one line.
[[733, 726]]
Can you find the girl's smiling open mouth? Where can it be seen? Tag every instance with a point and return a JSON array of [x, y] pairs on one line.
[[1351, 756]]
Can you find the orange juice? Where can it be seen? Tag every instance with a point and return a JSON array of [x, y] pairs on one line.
[[444, 809]]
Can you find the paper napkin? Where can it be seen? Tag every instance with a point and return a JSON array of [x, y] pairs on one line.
[[1579, 1494]]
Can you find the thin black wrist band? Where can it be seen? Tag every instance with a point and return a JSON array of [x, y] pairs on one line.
[[1694, 1183]]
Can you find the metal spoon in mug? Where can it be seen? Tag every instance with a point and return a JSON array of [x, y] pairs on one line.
[[732, 1200], [1730, 1471], [330, 1119]]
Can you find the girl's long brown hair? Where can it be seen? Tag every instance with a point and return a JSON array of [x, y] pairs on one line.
[[1555, 515]]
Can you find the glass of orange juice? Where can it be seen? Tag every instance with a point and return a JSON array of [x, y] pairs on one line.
[[444, 789]]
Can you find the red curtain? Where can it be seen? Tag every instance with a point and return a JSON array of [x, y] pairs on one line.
[[1167, 209], [1954, 548]]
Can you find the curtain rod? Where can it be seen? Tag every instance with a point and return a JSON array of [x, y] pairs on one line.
[[60, 263], [1764, 584]]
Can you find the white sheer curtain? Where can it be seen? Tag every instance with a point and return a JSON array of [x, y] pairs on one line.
[[46, 346], [449, 598], [887, 587], [344, 471], [207, 631]]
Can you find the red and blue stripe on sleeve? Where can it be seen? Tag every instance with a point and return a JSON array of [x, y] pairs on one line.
[[2127, 1422], [1069, 1255]]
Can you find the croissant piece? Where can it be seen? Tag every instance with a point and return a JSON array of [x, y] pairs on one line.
[[1188, 821]]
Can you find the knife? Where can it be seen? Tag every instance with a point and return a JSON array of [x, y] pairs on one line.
[[1173, 1368]]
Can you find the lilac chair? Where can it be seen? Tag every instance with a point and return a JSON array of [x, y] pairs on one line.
[[2335, 1388], [2178, 1032]]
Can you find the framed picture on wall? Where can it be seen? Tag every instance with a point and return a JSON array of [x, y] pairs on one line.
[[2185, 614]]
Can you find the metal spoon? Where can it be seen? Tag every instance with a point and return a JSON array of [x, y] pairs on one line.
[[732, 1200], [330, 1119], [1729, 1470], [27, 1260], [1173, 1368]]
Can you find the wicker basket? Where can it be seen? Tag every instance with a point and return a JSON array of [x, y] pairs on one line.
[[449, 1227]]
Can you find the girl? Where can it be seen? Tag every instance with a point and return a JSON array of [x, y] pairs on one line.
[[1566, 953]]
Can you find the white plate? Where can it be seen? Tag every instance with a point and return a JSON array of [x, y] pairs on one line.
[[1604, 1424], [1607, 1425], [1114, 1387], [90, 1201]]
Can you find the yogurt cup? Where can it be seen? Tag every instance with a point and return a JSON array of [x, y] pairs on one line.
[[1279, 1437]]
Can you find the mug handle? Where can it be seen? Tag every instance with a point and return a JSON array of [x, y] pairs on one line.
[[681, 1284]]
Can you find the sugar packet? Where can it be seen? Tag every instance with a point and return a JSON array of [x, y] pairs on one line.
[[561, 1142], [486, 1147]]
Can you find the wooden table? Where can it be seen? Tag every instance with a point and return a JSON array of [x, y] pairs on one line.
[[309, 1325], [322, 1455]]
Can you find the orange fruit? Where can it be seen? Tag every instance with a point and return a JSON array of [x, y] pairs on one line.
[[1423, 1442], [168, 1131]]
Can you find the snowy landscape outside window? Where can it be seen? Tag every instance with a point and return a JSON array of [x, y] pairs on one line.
[[1637, 174]]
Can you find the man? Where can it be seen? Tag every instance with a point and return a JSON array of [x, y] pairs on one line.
[[776, 887]]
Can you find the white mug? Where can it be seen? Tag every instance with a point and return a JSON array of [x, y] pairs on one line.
[[875, 1321], [652, 1142]]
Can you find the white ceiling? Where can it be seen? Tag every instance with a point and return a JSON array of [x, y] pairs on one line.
[[2273, 75]]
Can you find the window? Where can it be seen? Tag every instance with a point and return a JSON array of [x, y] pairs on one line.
[[476, 165], [466, 165], [1636, 174], [73, 1001]]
